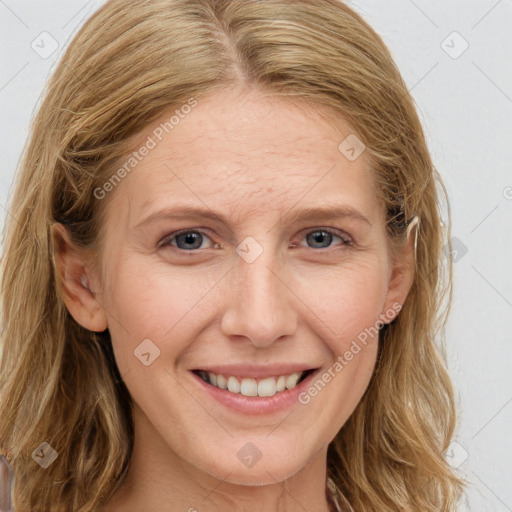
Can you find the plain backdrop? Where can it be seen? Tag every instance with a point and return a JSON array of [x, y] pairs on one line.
[[455, 56]]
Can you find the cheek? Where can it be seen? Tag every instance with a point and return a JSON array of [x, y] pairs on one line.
[[348, 303], [159, 303], [150, 302], [347, 300]]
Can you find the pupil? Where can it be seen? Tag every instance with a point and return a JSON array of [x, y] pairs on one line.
[[319, 235], [189, 238]]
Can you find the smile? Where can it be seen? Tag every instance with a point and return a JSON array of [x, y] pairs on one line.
[[266, 387]]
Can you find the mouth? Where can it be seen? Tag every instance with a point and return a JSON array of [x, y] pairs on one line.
[[254, 387]]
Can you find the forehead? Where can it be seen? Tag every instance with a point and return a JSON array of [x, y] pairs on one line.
[[247, 152]]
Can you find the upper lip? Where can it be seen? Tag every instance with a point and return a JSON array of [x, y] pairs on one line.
[[255, 371]]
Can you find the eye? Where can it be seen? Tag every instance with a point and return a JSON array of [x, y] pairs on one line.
[[188, 239], [322, 238], [185, 239]]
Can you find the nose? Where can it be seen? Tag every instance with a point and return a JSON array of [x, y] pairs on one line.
[[259, 301]]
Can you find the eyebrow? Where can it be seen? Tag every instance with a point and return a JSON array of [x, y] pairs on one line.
[[179, 211]]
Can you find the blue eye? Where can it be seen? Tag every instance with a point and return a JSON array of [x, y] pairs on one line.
[[188, 240], [325, 236]]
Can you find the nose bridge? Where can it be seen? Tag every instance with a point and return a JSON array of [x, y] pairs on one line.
[[261, 307]]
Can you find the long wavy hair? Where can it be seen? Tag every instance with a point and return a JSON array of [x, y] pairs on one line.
[[130, 61]]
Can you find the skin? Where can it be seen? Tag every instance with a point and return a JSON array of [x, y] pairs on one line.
[[257, 159]]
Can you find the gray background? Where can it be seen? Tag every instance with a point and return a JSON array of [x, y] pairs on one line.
[[464, 96]]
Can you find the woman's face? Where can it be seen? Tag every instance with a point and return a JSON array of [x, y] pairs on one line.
[[256, 288]]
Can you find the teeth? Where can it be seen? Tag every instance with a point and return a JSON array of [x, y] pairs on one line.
[[233, 385], [267, 387], [221, 382], [291, 380], [251, 387]]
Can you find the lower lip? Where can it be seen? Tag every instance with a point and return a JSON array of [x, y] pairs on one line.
[[255, 404]]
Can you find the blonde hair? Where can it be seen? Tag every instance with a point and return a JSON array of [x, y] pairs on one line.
[[132, 59]]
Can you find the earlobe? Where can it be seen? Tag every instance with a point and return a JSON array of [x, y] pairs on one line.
[[402, 273], [73, 283]]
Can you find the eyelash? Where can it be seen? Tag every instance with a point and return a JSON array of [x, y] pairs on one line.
[[346, 240]]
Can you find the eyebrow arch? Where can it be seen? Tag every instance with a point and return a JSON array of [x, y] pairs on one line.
[[317, 213]]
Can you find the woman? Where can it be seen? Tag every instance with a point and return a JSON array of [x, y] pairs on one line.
[[223, 276]]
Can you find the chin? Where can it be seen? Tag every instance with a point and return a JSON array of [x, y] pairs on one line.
[[249, 466]]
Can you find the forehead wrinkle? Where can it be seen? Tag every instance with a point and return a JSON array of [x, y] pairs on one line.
[[183, 151], [305, 114], [269, 145], [244, 171]]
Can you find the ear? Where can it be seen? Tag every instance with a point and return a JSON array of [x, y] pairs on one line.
[[73, 281], [401, 275]]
